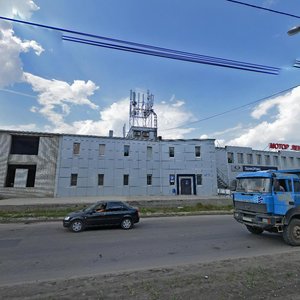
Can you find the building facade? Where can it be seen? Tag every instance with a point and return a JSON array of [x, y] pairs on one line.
[[232, 160], [91, 166], [61, 165], [28, 164]]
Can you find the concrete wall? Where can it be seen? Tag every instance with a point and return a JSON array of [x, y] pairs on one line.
[[45, 162], [89, 163], [269, 159]]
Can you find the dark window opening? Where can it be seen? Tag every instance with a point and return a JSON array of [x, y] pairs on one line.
[[18, 177], [28, 145], [76, 148], [100, 179], [126, 150], [171, 152], [199, 179], [197, 151], [149, 179], [126, 179], [74, 179]]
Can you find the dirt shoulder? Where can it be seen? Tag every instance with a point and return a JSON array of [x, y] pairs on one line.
[[263, 277]]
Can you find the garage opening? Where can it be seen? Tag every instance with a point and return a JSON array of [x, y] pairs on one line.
[[20, 176]]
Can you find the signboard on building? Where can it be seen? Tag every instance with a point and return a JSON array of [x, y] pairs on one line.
[[172, 179], [257, 168], [278, 146]]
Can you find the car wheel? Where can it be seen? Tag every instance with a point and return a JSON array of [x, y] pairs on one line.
[[126, 223], [77, 226], [291, 233], [254, 229]]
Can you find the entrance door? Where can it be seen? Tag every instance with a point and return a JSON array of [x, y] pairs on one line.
[[186, 186]]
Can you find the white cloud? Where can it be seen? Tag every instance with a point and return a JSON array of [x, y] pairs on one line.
[[24, 127], [11, 47], [116, 115], [283, 126], [18, 8], [55, 97], [172, 115]]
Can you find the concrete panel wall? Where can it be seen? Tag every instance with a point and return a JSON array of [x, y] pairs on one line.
[[45, 162], [113, 164]]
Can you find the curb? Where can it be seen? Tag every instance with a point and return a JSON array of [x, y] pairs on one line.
[[143, 216]]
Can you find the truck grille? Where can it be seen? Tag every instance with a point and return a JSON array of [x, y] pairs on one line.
[[249, 206]]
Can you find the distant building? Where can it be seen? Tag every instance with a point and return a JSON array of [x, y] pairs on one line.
[[232, 160]]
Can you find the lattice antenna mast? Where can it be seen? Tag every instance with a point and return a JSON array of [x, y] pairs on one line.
[[141, 110]]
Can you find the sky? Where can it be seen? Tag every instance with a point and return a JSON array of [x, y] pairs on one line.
[[48, 84]]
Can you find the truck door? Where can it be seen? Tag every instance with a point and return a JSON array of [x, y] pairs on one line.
[[283, 196], [296, 190]]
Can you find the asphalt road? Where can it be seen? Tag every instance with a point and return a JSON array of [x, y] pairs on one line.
[[43, 251]]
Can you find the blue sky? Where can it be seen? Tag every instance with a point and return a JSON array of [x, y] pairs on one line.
[[52, 85]]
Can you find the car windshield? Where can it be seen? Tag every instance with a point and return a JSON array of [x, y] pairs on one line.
[[254, 184]]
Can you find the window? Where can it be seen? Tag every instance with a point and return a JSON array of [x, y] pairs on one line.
[[298, 161], [74, 179], [126, 150], [101, 149], [199, 179], [100, 179], [149, 179], [197, 151], [249, 158], [20, 176], [28, 145], [267, 159], [171, 152], [292, 161], [125, 179], [297, 186], [230, 159], [258, 159], [283, 161], [149, 152], [145, 134], [275, 160], [240, 157], [76, 148]]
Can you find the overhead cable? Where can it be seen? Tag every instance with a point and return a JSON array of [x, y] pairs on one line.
[[191, 58], [264, 8], [235, 108], [154, 50]]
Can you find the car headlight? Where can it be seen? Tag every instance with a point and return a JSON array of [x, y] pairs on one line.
[[67, 218]]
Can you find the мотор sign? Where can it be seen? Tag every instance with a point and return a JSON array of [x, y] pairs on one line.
[[278, 146]]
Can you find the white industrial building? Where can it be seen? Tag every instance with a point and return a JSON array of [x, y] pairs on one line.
[[141, 163], [232, 160]]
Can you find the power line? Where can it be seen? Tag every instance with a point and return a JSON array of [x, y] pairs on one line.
[[154, 50], [264, 8], [235, 108], [190, 58]]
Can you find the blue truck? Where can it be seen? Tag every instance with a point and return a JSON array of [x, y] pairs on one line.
[[269, 201]]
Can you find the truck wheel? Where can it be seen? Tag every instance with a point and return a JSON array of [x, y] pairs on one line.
[[291, 233], [254, 229]]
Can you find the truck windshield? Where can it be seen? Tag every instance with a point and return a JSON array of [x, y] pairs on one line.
[[254, 184]]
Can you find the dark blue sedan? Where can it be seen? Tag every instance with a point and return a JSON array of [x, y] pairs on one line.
[[103, 213]]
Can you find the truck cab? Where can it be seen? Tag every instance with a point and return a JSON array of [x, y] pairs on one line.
[[269, 200]]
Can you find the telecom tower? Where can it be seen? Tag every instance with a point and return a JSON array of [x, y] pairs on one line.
[[142, 118]]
